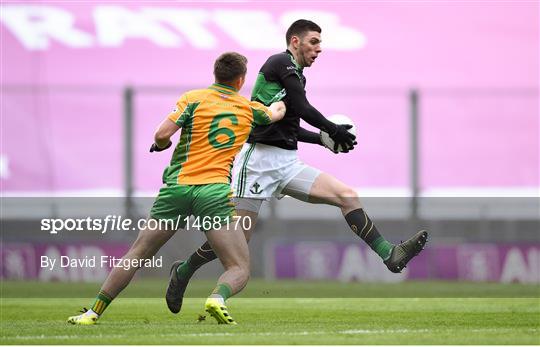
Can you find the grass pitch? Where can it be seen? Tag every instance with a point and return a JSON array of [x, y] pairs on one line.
[[463, 318]]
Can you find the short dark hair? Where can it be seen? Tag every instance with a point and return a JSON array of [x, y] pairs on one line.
[[300, 27], [229, 66]]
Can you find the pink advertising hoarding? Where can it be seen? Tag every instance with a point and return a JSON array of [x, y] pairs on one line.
[[64, 67], [505, 263]]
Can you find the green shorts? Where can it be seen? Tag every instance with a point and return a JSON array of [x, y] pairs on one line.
[[206, 202]]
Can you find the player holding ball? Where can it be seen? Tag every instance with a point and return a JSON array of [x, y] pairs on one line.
[[268, 165]]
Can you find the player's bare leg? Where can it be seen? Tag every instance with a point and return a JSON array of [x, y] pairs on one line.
[[183, 270], [232, 250], [328, 189], [146, 245], [252, 217]]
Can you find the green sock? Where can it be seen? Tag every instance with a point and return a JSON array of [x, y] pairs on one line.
[[201, 256], [102, 301], [382, 247], [185, 270], [362, 226], [224, 290]]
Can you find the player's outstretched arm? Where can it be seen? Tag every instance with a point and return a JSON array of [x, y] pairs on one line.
[[298, 102], [162, 136]]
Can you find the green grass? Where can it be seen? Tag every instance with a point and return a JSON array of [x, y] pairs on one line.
[[154, 288], [278, 320]]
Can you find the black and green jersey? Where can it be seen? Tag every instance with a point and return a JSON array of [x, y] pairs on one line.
[[270, 81], [281, 74]]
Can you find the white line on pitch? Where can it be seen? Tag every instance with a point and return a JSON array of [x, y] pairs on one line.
[[295, 333]]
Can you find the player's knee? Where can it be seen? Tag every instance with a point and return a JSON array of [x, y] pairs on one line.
[[348, 197]]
